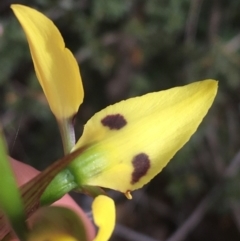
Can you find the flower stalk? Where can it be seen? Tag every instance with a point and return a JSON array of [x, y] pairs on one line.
[[67, 134]]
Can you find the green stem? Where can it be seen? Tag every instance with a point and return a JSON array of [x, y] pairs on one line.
[[57, 175], [62, 184], [67, 133]]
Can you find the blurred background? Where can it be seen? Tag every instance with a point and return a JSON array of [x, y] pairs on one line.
[[127, 48]]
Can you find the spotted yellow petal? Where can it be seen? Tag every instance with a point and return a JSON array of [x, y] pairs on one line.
[[132, 141], [55, 66], [103, 209]]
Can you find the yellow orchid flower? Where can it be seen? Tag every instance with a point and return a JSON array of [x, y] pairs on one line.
[[56, 68], [126, 144]]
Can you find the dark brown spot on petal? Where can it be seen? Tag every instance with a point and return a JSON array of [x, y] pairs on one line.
[[141, 164], [114, 122]]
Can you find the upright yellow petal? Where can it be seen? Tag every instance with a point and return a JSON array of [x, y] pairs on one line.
[[132, 141], [55, 66], [103, 209]]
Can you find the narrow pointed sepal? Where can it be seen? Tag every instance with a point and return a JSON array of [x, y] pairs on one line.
[[132, 141], [56, 68], [104, 216]]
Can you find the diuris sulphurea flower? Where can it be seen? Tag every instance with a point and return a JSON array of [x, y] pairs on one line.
[[123, 146], [136, 137]]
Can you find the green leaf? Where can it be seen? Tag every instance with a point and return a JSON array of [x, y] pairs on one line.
[[10, 199]]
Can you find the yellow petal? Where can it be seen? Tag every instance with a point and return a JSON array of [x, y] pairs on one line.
[[132, 141], [103, 209], [55, 66]]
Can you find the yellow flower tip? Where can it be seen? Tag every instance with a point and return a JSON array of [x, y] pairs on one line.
[[103, 209], [56, 68]]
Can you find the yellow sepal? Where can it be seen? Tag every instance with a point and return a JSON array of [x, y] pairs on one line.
[[103, 209], [55, 66], [132, 141]]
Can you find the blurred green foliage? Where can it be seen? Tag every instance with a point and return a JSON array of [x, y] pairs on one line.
[[127, 48]]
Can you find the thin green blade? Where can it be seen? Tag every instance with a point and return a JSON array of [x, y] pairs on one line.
[[10, 198]]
